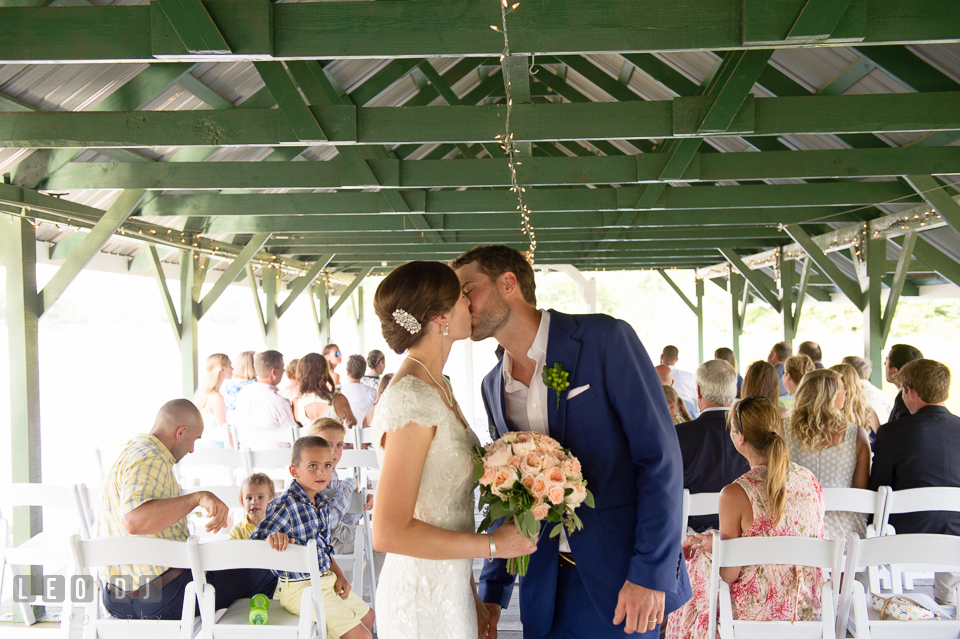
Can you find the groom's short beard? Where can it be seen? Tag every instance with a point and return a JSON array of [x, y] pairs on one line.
[[493, 318]]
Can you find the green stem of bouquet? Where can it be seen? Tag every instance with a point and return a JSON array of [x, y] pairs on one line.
[[519, 565]]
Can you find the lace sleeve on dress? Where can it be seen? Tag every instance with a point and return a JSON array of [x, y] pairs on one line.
[[409, 401]]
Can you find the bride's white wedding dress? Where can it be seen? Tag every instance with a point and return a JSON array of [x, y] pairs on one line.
[[424, 598]]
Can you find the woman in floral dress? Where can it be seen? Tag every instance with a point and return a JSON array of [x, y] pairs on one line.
[[775, 498]]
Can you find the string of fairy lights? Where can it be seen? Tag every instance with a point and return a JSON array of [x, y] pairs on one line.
[[506, 140]]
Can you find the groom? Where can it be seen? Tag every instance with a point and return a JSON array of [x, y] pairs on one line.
[[625, 569]]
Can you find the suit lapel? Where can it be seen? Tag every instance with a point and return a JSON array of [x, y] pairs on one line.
[[499, 406], [562, 349]]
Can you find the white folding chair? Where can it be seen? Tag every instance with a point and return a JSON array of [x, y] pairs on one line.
[[790, 551], [114, 551], [229, 555], [918, 552], [274, 462], [865, 502], [914, 500], [697, 504], [234, 464], [48, 548], [363, 461], [105, 458], [88, 504]]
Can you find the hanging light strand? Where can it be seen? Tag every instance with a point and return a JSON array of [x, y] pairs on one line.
[[506, 140]]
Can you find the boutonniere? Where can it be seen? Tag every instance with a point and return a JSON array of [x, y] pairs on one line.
[[557, 379]]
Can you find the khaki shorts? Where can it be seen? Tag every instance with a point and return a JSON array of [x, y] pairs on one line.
[[342, 615]]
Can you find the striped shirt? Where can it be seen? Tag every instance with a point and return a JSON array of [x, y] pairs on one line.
[[340, 494], [143, 472], [302, 520]]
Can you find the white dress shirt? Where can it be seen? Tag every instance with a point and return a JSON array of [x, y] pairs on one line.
[[685, 384], [527, 406], [263, 418]]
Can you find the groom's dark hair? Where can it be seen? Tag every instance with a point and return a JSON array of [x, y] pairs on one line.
[[495, 259]]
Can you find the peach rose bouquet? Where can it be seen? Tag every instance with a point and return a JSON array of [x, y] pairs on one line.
[[531, 478]]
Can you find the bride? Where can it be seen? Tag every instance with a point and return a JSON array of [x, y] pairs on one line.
[[424, 512]]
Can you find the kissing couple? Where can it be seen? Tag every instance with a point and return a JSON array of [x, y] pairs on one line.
[[624, 570]]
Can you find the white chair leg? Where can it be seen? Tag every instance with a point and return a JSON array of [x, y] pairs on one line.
[[861, 614], [726, 612], [26, 610]]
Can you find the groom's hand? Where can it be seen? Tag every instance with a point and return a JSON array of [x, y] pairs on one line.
[[641, 607], [494, 610]]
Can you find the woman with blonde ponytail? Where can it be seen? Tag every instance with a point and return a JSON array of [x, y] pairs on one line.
[[822, 437], [210, 402], [775, 498]]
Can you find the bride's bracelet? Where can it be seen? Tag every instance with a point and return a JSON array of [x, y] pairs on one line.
[[493, 546]]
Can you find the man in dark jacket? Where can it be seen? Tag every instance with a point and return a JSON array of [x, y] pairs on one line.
[[922, 450], [897, 357], [710, 460]]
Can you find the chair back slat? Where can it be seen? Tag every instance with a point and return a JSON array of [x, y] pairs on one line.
[[925, 549], [915, 500], [214, 457], [703, 504], [230, 495], [45, 495], [358, 459], [855, 500], [118, 551], [270, 458], [792, 551], [229, 555]]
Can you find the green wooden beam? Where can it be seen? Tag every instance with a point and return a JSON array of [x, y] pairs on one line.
[[826, 266], [762, 284], [848, 77], [230, 274], [111, 221], [899, 277], [194, 26], [645, 168], [947, 267], [344, 124], [351, 287], [315, 30], [294, 110], [257, 306], [870, 289], [156, 266], [270, 282], [192, 84], [191, 281], [686, 300], [10, 103], [936, 196], [64, 247], [908, 68], [817, 20], [303, 282]]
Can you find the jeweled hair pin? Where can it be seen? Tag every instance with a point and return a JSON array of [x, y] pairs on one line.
[[407, 321]]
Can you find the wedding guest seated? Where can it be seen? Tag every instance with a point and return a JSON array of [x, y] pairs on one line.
[[877, 400], [331, 353], [728, 356], [778, 356], [788, 502], [264, 419], [921, 450], [683, 380], [141, 497], [678, 410], [761, 379], [666, 379], [384, 382], [855, 408], [303, 513], [256, 491], [288, 390], [835, 449], [376, 362], [243, 375], [710, 460], [794, 369], [208, 399], [317, 398], [897, 357], [360, 396], [812, 350]]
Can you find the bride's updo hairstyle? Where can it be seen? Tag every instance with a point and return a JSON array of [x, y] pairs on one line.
[[422, 289]]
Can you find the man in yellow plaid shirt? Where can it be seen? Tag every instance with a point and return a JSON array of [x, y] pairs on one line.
[[142, 498]]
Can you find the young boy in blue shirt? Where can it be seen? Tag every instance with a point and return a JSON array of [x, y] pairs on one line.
[[302, 513]]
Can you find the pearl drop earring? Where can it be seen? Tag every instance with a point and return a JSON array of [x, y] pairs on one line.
[[446, 328]]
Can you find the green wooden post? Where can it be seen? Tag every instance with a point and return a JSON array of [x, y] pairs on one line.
[[271, 280], [321, 317], [699, 313], [737, 285], [189, 322], [788, 277], [873, 338], [18, 249]]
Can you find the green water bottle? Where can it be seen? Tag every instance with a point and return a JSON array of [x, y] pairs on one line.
[[258, 610]]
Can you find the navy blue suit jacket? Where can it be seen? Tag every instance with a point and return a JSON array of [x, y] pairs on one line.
[[621, 431]]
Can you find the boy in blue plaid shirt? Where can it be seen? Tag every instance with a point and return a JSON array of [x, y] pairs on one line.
[[302, 513]]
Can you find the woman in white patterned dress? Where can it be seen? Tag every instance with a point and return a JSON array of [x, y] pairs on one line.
[[424, 511], [835, 450]]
